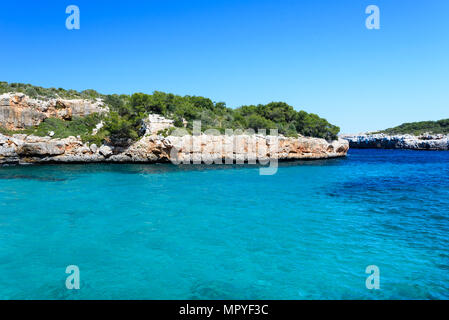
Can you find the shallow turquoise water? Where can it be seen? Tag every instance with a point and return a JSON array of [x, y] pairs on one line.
[[164, 232]]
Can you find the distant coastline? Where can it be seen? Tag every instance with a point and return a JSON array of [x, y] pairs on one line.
[[437, 142]]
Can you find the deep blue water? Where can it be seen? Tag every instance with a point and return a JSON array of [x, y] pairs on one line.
[[165, 232]]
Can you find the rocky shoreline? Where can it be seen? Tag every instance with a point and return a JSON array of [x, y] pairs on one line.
[[436, 142], [23, 149], [18, 111]]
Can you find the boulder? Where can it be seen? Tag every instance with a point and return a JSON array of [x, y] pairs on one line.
[[93, 148], [41, 149], [106, 151]]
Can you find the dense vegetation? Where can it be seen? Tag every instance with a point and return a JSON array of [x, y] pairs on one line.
[[127, 112], [418, 128]]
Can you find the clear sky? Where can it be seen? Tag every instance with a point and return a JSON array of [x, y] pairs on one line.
[[316, 55]]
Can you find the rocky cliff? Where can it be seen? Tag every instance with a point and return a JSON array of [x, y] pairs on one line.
[[23, 149], [18, 111], [382, 141]]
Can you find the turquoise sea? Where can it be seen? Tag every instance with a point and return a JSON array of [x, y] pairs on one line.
[[225, 232]]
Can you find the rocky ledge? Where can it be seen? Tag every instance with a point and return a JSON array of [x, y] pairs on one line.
[[383, 141], [23, 149]]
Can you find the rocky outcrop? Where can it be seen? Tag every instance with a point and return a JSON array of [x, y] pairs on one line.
[[22, 149], [154, 123], [18, 111], [382, 141]]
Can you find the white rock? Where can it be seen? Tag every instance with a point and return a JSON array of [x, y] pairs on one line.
[[97, 128], [155, 123], [93, 148], [105, 150], [3, 139]]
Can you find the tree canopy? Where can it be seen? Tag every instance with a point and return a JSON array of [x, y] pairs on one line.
[[215, 115]]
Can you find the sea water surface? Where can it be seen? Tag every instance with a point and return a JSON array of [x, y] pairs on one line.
[[225, 232]]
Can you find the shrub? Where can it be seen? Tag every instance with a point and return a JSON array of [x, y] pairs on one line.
[[120, 128], [79, 126]]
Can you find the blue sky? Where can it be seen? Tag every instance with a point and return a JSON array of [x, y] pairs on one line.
[[316, 55]]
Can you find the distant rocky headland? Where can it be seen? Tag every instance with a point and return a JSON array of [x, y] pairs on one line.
[[404, 141], [423, 135], [79, 130]]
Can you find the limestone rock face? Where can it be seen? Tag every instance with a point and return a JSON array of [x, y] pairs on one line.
[[382, 141], [18, 111], [155, 123], [178, 149]]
